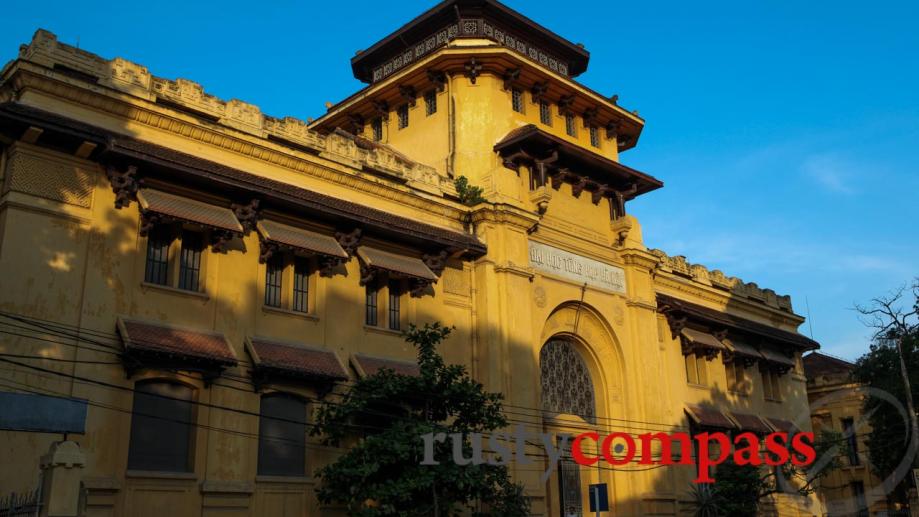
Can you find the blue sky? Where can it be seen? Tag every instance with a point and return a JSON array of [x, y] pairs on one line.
[[787, 133]]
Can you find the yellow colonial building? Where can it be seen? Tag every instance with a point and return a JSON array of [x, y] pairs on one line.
[[837, 403], [191, 267]]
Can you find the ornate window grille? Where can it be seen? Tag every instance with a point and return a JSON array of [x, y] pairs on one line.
[[565, 380]]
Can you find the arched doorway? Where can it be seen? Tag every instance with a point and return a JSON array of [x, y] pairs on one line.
[[569, 408]]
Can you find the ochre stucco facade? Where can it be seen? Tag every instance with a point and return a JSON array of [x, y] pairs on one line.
[[80, 130]]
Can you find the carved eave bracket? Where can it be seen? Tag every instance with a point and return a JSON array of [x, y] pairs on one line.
[[538, 91], [381, 108], [248, 214], [124, 184], [437, 78], [356, 122], [436, 262], [511, 76], [590, 116], [349, 241], [564, 104], [472, 69], [408, 94]]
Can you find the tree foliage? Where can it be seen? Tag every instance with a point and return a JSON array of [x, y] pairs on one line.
[[469, 194], [385, 416], [741, 489]]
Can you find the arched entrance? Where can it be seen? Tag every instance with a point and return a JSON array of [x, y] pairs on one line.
[[581, 383]]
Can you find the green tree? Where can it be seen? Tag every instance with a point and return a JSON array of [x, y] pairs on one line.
[[469, 194], [741, 489], [384, 416], [891, 364]]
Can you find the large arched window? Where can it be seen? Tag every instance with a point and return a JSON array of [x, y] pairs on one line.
[[162, 425], [566, 384], [282, 436]]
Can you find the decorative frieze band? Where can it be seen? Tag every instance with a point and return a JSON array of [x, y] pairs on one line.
[[468, 28]]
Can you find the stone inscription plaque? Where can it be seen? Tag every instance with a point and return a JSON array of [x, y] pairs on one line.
[[577, 268]]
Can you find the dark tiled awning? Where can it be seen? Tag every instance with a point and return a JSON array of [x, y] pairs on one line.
[[295, 360], [751, 423], [777, 359], [709, 417], [300, 239], [190, 210], [394, 263], [366, 365], [696, 339], [782, 426], [720, 319], [175, 343], [742, 350]]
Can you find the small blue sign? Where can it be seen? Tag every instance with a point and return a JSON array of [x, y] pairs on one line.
[[42, 413], [599, 498]]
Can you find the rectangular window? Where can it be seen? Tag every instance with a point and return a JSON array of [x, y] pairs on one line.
[[376, 126], [861, 505], [274, 271], [282, 436], [162, 427], [301, 285], [402, 113], [517, 100], [545, 113], [771, 388], [395, 309], [570, 126], [430, 102], [371, 306], [158, 257], [735, 376], [190, 261], [594, 136], [695, 369], [848, 431], [569, 480]]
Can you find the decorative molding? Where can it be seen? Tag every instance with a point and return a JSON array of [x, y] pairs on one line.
[[699, 274], [248, 214], [349, 241], [467, 28], [510, 77], [436, 262]]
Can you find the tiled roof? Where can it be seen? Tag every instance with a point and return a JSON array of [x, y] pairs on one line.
[[701, 339], [300, 238], [188, 209], [709, 417], [393, 262], [750, 423], [706, 314], [297, 360], [175, 342], [817, 364], [367, 365], [216, 175], [783, 426]]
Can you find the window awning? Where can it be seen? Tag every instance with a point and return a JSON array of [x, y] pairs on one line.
[[738, 349], [782, 426], [294, 360], [777, 359], [189, 210], [709, 417], [366, 365], [400, 266], [694, 341], [751, 423], [176, 346], [300, 240]]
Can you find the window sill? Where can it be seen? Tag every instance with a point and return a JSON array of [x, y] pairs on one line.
[[285, 479], [156, 474], [382, 330], [267, 309], [698, 386], [174, 290]]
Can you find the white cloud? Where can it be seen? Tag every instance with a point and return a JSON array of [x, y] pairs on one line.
[[831, 172]]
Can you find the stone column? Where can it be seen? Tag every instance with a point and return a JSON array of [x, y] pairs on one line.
[[62, 470]]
